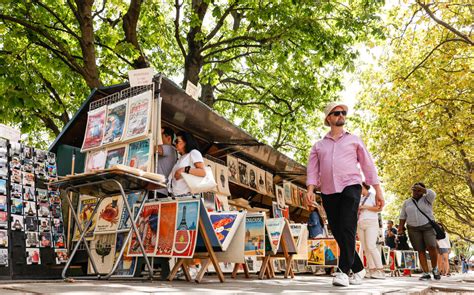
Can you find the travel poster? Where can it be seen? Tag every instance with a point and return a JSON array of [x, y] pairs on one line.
[[108, 214], [134, 247], [222, 224], [138, 116], [186, 228], [94, 128], [275, 227], [331, 252], [115, 156], [151, 216], [84, 212], [115, 122], [132, 199], [166, 229], [316, 252], [255, 235], [138, 155]]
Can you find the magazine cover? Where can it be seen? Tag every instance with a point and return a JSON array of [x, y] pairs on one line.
[[148, 225], [108, 214], [33, 256], [94, 128], [222, 179], [138, 115], [32, 239], [84, 212], [166, 229], [115, 122], [261, 188], [331, 252], [61, 255], [255, 234], [3, 238], [103, 252], [243, 173], [186, 229], [115, 156], [46, 240], [139, 154], [95, 160], [127, 264], [233, 165], [280, 196], [316, 252], [132, 199], [3, 219]]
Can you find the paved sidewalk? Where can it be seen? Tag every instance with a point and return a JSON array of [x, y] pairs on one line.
[[459, 284]]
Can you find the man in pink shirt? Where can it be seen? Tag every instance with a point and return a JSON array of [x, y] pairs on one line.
[[334, 166]]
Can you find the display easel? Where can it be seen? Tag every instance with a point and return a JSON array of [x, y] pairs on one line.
[[236, 269], [267, 268], [206, 258], [100, 185]]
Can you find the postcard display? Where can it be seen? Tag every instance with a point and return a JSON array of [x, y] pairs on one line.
[[32, 242]]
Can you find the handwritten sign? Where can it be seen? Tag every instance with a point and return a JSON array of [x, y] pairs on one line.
[[140, 77]]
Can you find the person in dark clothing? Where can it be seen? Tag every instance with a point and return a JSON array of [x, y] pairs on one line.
[[402, 241], [390, 234]]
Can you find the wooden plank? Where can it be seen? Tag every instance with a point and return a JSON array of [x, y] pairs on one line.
[[175, 269], [204, 265], [210, 251]]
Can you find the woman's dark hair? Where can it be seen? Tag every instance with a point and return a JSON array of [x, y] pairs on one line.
[[188, 138], [367, 187]]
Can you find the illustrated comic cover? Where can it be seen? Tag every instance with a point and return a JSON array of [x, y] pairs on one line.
[[108, 214], [94, 128], [84, 212], [115, 156]]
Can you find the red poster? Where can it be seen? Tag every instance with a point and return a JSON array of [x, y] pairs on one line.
[[186, 229], [166, 229], [94, 129]]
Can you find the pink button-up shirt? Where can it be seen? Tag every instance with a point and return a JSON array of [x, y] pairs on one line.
[[333, 164]]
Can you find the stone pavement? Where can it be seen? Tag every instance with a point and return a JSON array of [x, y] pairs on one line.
[[457, 284]]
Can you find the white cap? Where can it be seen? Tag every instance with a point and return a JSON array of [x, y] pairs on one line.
[[331, 106]]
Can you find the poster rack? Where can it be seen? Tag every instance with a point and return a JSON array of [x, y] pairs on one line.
[[267, 270], [101, 185]]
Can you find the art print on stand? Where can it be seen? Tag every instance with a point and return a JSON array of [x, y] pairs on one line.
[[147, 225], [33, 256], [186, 229], [138, 115], [331, 252], [222, 224], [274, 228], [94, 128], [233, 165], [115, 122], [103, 252], [255, 234], [166, 229], [115, 156], [84, 212], [108, 214], [316, 252], [138, 155], [127, 264], [95, 160]]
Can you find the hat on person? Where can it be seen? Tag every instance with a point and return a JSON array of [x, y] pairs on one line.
[[331, 106]]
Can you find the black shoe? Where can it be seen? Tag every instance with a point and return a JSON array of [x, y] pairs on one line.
[[425, 277], [436, 275]]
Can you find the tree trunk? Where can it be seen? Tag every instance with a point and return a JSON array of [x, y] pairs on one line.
[[207, 95], [130, 21]]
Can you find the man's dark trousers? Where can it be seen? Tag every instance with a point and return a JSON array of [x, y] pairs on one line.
[[342, 210]]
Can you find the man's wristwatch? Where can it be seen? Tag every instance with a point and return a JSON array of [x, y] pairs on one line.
[[186, 169]]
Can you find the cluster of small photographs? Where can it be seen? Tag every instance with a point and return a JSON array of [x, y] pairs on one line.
[[248, 175], [3, 202]]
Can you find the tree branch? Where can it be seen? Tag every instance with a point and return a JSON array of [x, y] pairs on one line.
[[56, 16], [176, 28], [220, 22]]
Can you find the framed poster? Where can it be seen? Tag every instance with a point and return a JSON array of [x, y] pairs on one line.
[[139, 155], [94, 128], [115, 122], [115, 156], [138, 115]]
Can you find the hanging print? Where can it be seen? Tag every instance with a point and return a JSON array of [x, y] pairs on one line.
[[115, 122], [94, 128], [138, 155], [138, 116]]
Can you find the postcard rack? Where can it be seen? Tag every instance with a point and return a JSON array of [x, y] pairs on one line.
[[101, 185]]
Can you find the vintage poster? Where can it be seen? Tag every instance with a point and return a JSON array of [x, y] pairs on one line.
[[61, 255], [294, 195], [255, 235], [138, 115], [167, 229], [316, 252], [233, 165], [296, 229], [108, 214], [261, 188], [127, 264], [186, 228], [95, 160], [243, 172], [134, 246], [115, 156], [410, 259], [252, 173], [287, 192], [331, 252], [138, 155], [151, 215], [222, 223], [276, 210], [84, 213], [33, 256], [209, 199], [222, 179], [302, 197], [132, 199], [103, 252], [280, 196], [274, 228], [115, 122], [94, 128]]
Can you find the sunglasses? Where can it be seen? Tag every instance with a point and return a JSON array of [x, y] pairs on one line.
[[338, 113]]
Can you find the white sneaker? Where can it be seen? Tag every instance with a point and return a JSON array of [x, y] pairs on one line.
[[341, 279], [356, 278], [378, 274]]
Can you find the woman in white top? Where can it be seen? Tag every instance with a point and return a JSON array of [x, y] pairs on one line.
[[190, 161], [368, 231], [444, 246]]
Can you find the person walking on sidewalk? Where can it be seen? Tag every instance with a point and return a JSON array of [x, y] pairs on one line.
[[444, 247], [421, 233], [333, 167], [368, 231]]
